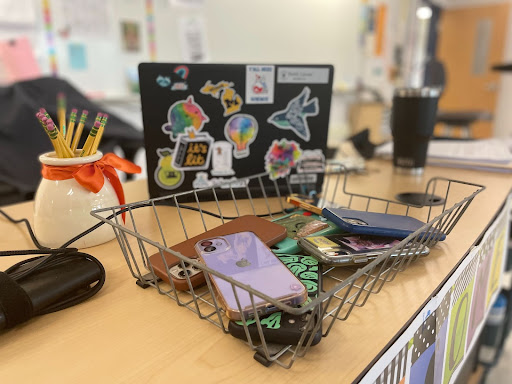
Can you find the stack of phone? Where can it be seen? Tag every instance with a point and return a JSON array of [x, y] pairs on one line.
[[240, 249], [366, 236]]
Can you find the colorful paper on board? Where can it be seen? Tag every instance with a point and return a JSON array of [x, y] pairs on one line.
[[294, 117], [459, 319], [476, 315], [442, 313], [77, 56], [166, 176], [423, 359], [130, 36], [184, 114], [496, 266], [241, 130]]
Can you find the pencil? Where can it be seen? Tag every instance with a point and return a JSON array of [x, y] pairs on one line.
[[56, 147], [99, 135], [66, 151], [53, 132], [61, 112], [90, 138], [78, 133], [71, 126]]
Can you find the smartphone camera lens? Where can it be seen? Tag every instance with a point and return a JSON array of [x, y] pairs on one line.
[[209, 248], [206, 243], [182, 273]]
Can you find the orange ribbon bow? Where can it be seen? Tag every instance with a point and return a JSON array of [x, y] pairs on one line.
[[90, 175]]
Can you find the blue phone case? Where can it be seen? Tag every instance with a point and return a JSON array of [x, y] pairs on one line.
[[379, 224]]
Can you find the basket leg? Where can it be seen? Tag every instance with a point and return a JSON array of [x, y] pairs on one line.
[[273, 349], [144, 282]]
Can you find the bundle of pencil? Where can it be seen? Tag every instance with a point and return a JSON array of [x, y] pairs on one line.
[[65, 140]]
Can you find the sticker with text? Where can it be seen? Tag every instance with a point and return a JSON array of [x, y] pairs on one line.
[[281, 157], [304, 75], [222, 160], [184, 114], [259, 84], [166, 176], [202, 181], [295, 115], [193, 151], [311, 161], [241, 130]]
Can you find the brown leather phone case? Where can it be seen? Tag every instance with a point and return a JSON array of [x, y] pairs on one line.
[[268, 232]]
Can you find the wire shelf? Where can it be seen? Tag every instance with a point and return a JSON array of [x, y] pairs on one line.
[[156, 225]]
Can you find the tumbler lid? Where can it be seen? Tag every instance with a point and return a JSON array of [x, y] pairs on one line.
[[418, 92]]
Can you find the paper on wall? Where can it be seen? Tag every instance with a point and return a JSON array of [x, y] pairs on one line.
[[192, 34]]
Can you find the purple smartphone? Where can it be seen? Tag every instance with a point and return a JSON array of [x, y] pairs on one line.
[[245, 258]]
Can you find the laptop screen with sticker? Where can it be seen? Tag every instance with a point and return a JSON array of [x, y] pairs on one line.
[[213, 123]]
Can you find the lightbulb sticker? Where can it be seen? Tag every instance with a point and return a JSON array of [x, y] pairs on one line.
[[166, 176], [184, 114], [281, 157], [241, 130]]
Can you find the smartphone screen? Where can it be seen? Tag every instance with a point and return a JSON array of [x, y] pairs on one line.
[[335, 245]]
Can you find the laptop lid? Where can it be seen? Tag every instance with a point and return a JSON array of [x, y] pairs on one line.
[[209, 123]]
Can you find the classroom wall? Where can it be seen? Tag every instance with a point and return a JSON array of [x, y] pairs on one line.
[[236, 31], [284, 31]]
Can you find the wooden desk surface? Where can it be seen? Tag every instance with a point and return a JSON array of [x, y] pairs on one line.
[[127, 334]]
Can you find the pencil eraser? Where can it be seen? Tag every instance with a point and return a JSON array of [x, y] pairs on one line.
[[97, 124], [50, 126], [74, 110], [85, 112], [105, 115]]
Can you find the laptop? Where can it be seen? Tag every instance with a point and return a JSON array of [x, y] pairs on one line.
[[206, 124]]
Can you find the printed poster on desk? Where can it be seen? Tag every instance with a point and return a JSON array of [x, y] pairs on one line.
[[206, 124]]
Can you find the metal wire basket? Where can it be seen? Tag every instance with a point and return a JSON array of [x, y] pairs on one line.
[[155, 225]]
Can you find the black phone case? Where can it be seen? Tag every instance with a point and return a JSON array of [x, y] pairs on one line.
[[281, 327]]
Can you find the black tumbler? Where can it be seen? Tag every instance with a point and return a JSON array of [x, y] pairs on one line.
[[412, 124]]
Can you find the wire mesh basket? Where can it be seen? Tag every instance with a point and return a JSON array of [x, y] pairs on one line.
[[154, 226]]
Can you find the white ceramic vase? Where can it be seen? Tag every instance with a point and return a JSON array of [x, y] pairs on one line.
[[62, 207]]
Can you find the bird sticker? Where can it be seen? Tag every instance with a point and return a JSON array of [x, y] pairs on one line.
[[295, 115], [184, 114]]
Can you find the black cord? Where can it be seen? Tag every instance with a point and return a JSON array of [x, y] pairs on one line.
[[48, 259], [51, 257], [181, 206]]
